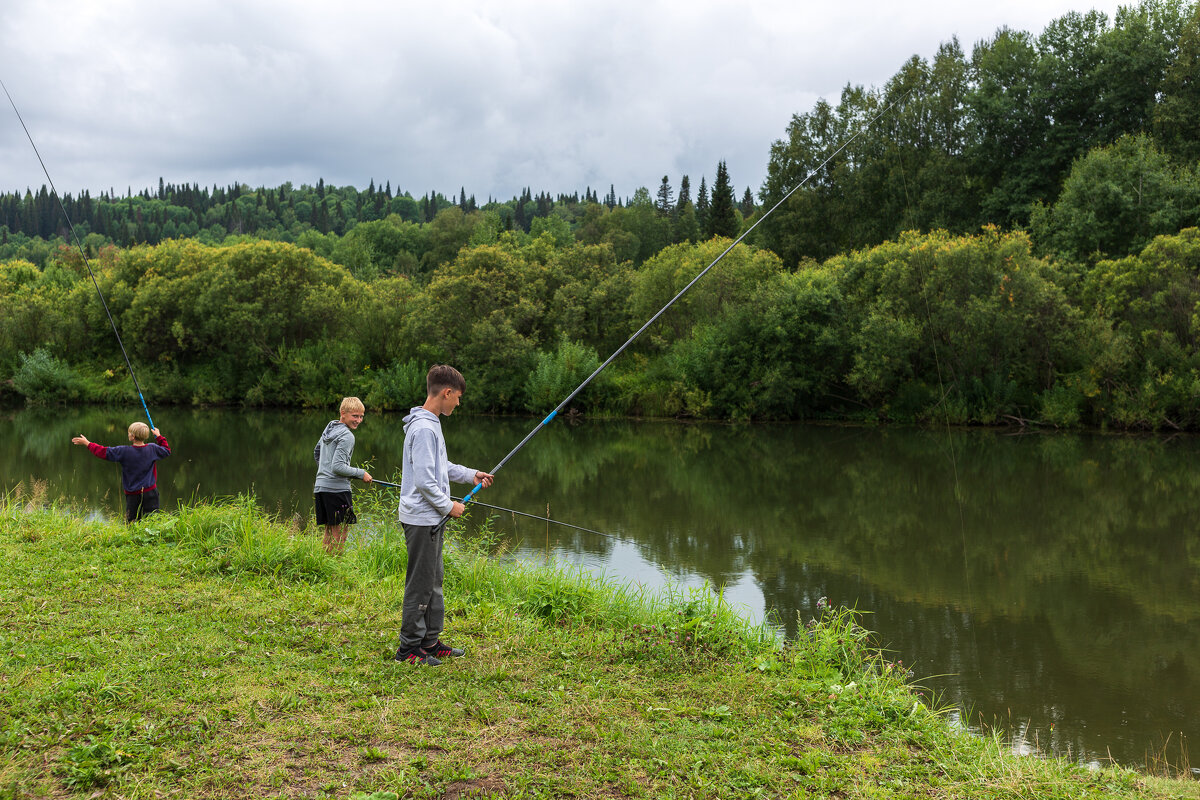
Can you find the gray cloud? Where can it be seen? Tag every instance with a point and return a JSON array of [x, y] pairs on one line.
[[483, 95]]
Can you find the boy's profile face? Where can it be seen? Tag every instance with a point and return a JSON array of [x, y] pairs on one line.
[[450, 400], [352, 419]]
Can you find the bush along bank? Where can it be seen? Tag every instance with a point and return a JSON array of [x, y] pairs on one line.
[[217, 652], [931, 327]]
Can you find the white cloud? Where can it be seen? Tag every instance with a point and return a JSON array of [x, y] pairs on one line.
[[483, 95]]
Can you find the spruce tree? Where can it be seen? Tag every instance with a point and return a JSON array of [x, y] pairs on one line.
[[747, 206], [721, 219], [702, 206], [685, 193], [665, 197]]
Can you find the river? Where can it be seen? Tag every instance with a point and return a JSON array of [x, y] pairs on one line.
[[1046, 583]]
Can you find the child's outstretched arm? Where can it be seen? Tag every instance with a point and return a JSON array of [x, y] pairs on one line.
[[98, 450]]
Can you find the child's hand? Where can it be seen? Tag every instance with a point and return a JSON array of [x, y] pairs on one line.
[[80, 439], [367, 477], [155, 432]]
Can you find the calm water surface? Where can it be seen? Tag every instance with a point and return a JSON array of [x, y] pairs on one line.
[[1046, 583]]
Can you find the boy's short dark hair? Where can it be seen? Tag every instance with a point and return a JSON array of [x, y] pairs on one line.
[[444, 376]]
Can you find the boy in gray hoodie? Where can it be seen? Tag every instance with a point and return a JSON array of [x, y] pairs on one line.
[[425, 506], [331, 492]]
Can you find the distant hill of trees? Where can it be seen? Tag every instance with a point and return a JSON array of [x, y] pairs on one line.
[[32, 225]]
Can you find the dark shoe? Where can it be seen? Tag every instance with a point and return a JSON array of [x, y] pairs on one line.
[[417, 657], [442, 650]]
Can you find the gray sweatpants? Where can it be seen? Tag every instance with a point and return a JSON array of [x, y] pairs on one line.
[[424, 614]]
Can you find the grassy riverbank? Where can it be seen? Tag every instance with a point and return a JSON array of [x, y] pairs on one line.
[[217, 653]]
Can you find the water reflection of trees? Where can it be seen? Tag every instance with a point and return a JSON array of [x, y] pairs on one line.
[[1030, 567]]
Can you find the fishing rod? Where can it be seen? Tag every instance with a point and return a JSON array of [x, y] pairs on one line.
[[550, 417], [86, 263], [518, 513]]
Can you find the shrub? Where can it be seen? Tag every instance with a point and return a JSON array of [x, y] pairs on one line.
[[400, 386], [42, 378], [558, 373]]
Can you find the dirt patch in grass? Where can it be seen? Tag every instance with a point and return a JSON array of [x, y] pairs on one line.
[[477, 787]]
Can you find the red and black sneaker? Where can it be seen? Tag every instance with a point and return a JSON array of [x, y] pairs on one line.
[[442, 650], [417, 656]]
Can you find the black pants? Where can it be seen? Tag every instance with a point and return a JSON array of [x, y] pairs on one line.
[[424, 615], [139, 505]]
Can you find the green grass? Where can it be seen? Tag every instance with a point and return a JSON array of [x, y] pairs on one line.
[[218, 653]]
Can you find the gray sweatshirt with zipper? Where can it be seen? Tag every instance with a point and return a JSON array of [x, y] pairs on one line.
[[332, 455], [426, 472]]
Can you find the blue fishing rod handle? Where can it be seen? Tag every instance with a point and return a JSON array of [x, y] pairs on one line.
[[471, 494], [549, 417], [147, 410]]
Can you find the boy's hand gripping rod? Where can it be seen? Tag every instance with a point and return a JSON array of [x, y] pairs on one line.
[[682, 292]]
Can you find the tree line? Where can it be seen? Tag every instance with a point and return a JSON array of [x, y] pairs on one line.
[[32, 225], [930, 327], [990, 137]]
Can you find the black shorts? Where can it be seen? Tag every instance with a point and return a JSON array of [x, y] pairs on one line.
[[139, 505], [334, 508]]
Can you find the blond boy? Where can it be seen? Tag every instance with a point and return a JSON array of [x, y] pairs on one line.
[[139, 473], [331, 492]]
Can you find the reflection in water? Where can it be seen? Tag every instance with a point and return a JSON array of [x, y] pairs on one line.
[[1051, 580]]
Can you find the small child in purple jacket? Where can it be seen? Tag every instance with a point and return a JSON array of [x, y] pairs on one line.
[[139, 474]]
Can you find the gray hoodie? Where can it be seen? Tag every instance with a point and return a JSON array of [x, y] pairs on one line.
[[426, 472], [332, 455]]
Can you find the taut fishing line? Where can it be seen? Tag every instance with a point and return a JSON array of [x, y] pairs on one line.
[[391, 485], [545, 519], [671, 302], [86, 263], [958, 500]]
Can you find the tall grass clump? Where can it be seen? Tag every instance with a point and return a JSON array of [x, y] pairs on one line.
[[846, 680], [31, 511], [234, 535], [692, 627]]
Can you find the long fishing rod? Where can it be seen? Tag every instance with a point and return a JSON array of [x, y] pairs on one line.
[[671, 302], [86, 263], [518, 513]]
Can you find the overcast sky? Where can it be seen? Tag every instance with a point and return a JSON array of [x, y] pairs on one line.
[[490, 96]]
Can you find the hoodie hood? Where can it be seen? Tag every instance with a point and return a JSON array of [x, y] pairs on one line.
[[335, 430], [419, 414]]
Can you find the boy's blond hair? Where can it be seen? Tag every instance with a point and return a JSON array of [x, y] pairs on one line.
[[140, 431], [350, 405]]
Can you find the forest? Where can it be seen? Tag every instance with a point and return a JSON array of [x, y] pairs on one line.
[[1012, 237]]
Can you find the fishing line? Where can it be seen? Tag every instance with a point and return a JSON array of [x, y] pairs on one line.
[[79, 245], [962, 522], [544, 519], [518, 513], [671, 302]]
